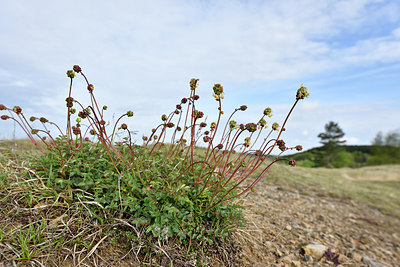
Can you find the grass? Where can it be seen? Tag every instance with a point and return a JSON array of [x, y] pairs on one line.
[[40, 224], [376, 186]]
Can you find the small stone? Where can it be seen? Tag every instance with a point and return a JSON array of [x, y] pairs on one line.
[[373, 262], [316, 251], [288, 227], [357, 257]]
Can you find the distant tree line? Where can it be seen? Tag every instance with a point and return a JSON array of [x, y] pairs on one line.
[[392, 138]]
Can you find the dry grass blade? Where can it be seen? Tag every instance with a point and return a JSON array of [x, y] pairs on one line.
[[93, 249]]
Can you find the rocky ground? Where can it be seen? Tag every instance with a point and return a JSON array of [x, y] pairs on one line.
[[289, 229]]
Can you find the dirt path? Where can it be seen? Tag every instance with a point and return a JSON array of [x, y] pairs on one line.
[[281, 223]]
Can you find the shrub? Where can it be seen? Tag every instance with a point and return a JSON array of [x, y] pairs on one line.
[[173, 189]]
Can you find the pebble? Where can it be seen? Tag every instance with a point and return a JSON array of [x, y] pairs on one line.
[[316, 251]]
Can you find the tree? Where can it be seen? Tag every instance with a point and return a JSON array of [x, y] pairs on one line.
[[391, 139], [331, 140], [378, 140]]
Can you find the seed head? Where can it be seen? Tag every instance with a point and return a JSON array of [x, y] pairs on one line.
[[92, 132], [170, 125], [164, 117], [32, 119], [275, 126], [124, 126], [196, 97], [213, 125], [203, 124], [17, 110], [144, 138], [105, 107], [34, 131], [299, 148], [129, 113], [73, 111], [178, 129], [179, 107], [184, 100], [4, 117], [206, 139], [262, 122], [71, 74], [2, 107], [102, 122], [77, 69], [206, 132], [220, 146]]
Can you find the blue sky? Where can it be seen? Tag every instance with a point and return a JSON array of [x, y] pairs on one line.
[[140, 55]]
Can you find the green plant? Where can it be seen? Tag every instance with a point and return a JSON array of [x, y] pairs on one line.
[[168, 187]]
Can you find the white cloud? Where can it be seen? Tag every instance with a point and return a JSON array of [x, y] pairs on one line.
[[141, 55]]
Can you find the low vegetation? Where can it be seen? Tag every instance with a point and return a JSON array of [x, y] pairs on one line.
[[165, 199]]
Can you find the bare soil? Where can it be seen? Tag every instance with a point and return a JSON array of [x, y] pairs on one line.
[[281, 223]]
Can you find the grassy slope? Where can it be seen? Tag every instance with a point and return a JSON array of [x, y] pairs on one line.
[[376, 186]]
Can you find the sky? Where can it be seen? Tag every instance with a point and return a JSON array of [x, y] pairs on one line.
[[141, 55]]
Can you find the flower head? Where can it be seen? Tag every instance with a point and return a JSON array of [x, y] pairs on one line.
[[251, 127], [247, 142], [262, 122], [232, 124], [124, 126], [243, 107], [2, 107], [275, 126], [32, 119], [129, 113], [299, 148], [71, 74], [77, 69], [90, 88], [302, 93], [218, 89], [70, 102], [292, 163], [17, 110], [34, 131], [164, 117], [4, 117], [281, 145], [43, 120], [203, 124], [268, 112], [193, 83], [220, 146]]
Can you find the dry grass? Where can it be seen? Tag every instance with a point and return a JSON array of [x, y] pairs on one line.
[[377, 186], [42, 227]]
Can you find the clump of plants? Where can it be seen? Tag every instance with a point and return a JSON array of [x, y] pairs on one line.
[[180, 183]]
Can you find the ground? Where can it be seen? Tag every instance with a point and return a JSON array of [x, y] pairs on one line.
[[282, 222]]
